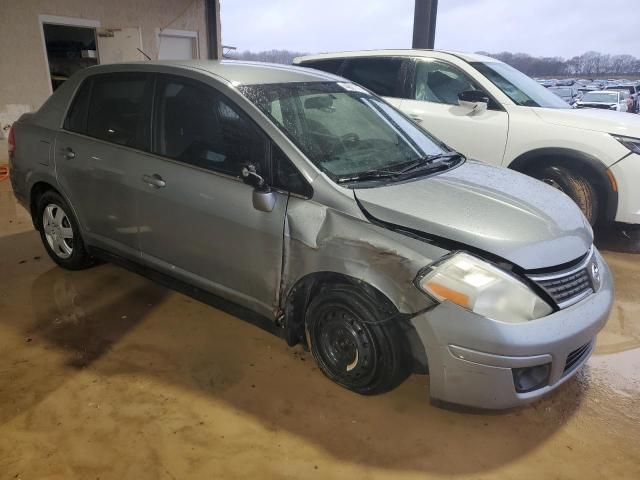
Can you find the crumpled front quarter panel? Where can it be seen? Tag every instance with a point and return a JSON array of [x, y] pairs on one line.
[[318, 238]]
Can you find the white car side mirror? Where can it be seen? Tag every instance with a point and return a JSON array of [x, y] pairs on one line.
[[474, 100]]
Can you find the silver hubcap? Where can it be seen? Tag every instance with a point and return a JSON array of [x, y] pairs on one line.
[[57, 230]]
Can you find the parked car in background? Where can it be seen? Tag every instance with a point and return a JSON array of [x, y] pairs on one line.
[[311, 201], [568, 94], [604, 99], [490, 111], [632, 89]]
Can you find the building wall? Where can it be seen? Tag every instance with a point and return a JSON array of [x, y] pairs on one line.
[[24, 72]]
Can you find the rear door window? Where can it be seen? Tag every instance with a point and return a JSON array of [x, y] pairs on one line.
[[197, 125], [119, 110], [380, 75]]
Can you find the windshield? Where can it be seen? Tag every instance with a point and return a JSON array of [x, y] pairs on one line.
[[343, 129], [523, 90], [562, 92], [622, 89], [600, 97]]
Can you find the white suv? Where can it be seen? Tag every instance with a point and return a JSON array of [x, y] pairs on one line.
[[490, 111]]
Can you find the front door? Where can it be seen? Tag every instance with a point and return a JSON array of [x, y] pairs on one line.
[[197, 220], [434, 105]]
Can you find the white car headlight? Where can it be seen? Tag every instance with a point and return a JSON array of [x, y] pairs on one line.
[[631, 143], [482, 288]]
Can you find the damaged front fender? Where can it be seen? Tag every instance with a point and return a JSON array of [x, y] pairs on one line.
[[319, 239]]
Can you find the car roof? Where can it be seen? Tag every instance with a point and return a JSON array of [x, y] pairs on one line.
[[408, 52], [236, 72]]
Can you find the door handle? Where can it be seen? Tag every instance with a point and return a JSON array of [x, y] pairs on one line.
[[68, 153], [154, 180]]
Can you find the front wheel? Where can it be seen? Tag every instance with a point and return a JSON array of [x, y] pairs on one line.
[[353, 342], [576, 186]]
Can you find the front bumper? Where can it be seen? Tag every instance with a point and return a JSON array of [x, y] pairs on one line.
[[471, 358], [627, 174]]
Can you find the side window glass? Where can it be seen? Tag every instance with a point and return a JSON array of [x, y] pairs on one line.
[[439, 82], [76, 120], [329, 65], [118, 109], [380, 75], [286, 176], [198, 126]]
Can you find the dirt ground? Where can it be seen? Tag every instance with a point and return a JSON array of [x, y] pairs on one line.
[[105, 374]]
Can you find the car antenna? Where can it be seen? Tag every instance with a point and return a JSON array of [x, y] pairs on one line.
[[148, 57]]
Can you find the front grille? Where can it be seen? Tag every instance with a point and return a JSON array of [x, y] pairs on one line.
[[568, 286], [565, 289], [595, 105], [576, 356]]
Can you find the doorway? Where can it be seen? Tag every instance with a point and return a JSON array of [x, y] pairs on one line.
[[69, 48]]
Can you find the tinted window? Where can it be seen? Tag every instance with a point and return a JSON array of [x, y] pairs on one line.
[[198, 126], [380, 75], [331, 66], [440, 82], [119, 109], [76, 120], [286, 176]]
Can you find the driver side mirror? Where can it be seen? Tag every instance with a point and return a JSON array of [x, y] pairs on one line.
[[475, 100], [263, 198]]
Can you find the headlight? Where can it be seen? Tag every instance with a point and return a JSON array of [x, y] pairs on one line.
[[482, 288], [631, 143]]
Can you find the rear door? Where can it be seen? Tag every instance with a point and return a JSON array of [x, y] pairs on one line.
[[433, 103], [197, 220], [104, 136]]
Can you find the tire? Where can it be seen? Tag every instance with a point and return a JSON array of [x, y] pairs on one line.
[[576, 186], [60, 232], [351, 345]]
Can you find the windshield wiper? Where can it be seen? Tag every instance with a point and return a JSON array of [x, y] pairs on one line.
[[370, 175], [428, 160], [377, 174]]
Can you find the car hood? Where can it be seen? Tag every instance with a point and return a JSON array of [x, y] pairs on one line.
[[592, 119], [488, 208]]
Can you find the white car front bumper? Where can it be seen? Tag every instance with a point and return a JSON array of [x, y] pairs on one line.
[[627, 175]]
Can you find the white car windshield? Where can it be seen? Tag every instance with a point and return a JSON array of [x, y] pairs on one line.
[[523, 90], [343, 129]]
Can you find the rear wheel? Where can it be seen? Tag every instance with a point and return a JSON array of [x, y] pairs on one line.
[[576, 186], [60, 232], [352, 343]]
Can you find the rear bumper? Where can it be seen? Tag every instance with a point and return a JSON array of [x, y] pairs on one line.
[[627, 175], [471, 358]]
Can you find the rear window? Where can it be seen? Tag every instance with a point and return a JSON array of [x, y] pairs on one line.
[[119, 110], [380, 75]]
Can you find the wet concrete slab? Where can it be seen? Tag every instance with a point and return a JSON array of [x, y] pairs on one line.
[[105, 374]]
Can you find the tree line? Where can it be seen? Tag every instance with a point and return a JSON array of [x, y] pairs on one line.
[[589, 64]]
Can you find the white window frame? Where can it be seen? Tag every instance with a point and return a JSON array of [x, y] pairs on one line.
[[169, 32], [70, 21]]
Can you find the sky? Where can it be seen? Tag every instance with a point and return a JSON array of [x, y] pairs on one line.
[[539, 27]]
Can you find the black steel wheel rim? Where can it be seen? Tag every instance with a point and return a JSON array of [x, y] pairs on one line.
[[345, 346]]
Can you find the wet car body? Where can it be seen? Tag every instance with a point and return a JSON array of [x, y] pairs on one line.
[[276, 248]]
